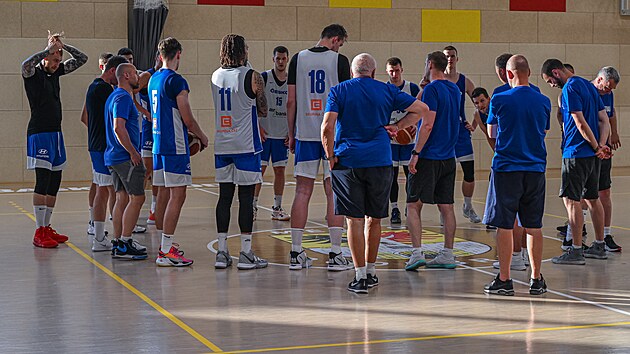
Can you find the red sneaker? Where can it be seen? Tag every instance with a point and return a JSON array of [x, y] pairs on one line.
[[42, 239], [151, 219], [56, 236]]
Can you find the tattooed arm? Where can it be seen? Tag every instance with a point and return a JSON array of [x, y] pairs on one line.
[[28, 66], [259, 88], [77, 60]]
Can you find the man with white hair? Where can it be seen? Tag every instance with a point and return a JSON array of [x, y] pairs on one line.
[[356, 142]]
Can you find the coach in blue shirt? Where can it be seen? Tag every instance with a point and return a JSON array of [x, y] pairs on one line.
[[519, 120], [357, 146]]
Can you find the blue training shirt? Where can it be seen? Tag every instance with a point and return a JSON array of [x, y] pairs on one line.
[[170, 134], [120, 105], [442, 97], [522, 116], [579, 95], [364, 106], [609, 103], [506, 87]]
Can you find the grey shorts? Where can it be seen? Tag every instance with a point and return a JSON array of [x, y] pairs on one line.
[[128, 177]]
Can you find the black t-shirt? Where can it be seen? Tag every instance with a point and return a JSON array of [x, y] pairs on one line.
[[42, 90], [343, 66], [95, 99]]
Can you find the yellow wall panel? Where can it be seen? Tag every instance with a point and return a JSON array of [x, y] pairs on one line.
[[374, 4], [451, 26]]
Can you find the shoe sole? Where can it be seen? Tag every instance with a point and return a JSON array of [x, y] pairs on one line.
[[613, 249], [444, 266], [133, 258], [370, 286], [44, 246], [281, 219], [537, 291], [101, 250], [176, 265], [249, 266], [595, 256], [139, 231], [415, 265], [502, 292], [512, 268], [221, 265], [297, 267], [569, 262], [358, 291]]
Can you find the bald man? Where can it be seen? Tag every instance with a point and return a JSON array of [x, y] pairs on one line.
[[124, 161], [519, 119], [358, 151]]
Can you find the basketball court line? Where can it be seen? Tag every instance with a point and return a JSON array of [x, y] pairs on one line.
[[427, 338], [210, 345]]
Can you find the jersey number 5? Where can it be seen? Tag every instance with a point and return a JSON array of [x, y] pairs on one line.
[[154, 101], [318, 81]]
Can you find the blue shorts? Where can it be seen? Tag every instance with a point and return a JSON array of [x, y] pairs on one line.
[[240, 169], [171, 170], [276, 150], [463, 146], [45, 150], [510, 193], [401, 154], [147, 138], [308, 156], [100, 172]]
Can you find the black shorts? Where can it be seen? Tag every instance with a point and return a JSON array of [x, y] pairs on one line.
[[605, 177], [129, 178], [510, 193], [360, 192], [434, 183], [580, 178]]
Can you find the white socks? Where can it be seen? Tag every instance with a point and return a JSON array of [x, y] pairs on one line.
[[91, 215], [40, 215], [153, 202], [246, 243], [335, 239], [125, 238], [277, 201], [296, 239], [222, 237], [99, 230], [361, 273], [49, 211], [447, 252], [371, 269], [569, 235], [607, 230], [167, 242], [468, 202], [393, 205], [255, 202]]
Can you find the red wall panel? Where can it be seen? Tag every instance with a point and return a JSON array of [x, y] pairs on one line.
[[538, 5]]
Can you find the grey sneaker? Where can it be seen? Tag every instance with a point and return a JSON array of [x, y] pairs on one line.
[[337, 262], [101, 246], [138, 246], [597, 251], [223, 260], [442, 261], [517, 263], [525, 255], [299, 260], [250, 261], [470, 214], [416, 260], [139, 230], [572, 256]]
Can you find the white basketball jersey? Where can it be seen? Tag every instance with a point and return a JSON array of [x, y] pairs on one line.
[[316, 73], [398, 115], [275, 124], [236, 121]]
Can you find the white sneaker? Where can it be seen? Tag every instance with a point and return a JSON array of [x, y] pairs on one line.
[[90, 229], [279, 214], [337, 262], [442, 260], [101, 246], [255, 213], [517, 263], [525, 257], [416, 260], [139, 230], [137, 245], [470, 214], [299, 260]]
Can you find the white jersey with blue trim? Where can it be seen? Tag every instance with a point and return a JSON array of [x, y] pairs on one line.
[[316, 73], [236, 120], [275, 124]]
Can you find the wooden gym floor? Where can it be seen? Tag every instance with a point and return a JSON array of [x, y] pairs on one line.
[[73, 301]]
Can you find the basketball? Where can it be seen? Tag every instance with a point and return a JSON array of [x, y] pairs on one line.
[[194, 144], [405, 136]]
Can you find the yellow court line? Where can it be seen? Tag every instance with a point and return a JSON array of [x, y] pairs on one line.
[[417, 339], [136, 292]]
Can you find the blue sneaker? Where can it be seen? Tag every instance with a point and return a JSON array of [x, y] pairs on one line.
[[127, 250], [416, 260]]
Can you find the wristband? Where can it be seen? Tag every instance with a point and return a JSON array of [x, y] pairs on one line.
[[414, 152], [331, 157]]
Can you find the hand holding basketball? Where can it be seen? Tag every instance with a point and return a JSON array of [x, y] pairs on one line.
[[194, 144], [405, 136]]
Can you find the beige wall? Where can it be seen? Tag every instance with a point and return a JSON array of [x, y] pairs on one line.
[[589, 35]]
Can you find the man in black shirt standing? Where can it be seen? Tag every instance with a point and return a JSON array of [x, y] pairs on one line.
[[45, 149], [95, 99]]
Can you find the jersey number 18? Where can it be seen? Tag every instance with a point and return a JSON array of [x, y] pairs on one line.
[[318, 81]]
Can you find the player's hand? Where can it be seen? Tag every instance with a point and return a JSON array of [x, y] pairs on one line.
[[333, 162], [412, 164], [392, 130], [424, 82], [263, 134], [286, 141], [603, 152], [469, 127], [291, 144], [203, 139], [136, 159], [614, 141]]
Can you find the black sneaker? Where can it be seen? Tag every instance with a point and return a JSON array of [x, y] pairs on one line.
[[126, 250], [372, 281], [562, 230], [358, 286], [537, 286], [499, 287], [395, 216], [490, 228], [611, 245], [566, 244]]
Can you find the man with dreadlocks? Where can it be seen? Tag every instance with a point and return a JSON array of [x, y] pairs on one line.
[[239, 98]]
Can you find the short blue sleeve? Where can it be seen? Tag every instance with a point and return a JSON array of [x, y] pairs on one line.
[[415, 90], [492, 119], [122, 107], [573, 100], [332, 103], [548, 112], [174, 85], [612, 103], [600, 103], [430, 98], [402, 100]]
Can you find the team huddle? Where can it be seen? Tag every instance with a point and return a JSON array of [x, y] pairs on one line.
[[330, 113]]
